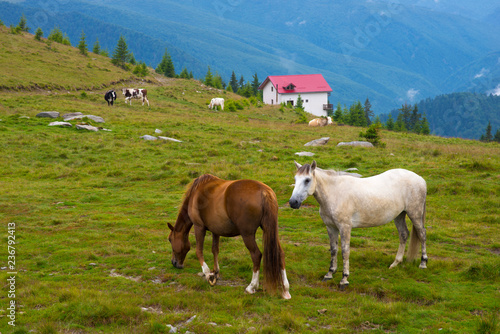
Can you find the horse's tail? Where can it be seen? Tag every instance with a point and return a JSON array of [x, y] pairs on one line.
[[415, 241], [274, 260]]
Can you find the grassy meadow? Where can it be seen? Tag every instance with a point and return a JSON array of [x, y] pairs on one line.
[[90, 211]]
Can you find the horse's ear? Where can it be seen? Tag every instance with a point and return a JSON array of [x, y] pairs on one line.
[[313, 165], [297, 165], [170, 227]]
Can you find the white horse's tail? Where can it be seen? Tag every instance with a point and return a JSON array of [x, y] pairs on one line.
[[415, 241]]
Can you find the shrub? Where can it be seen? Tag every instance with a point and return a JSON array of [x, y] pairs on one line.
[[372, 135]]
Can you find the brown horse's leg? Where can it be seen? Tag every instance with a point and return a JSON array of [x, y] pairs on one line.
[[214, 276], [200, 233], [256, 255]]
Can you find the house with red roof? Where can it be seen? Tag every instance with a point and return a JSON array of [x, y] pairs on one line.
[[312, 88]]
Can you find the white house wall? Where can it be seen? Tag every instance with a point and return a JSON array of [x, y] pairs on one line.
[[314, 104]]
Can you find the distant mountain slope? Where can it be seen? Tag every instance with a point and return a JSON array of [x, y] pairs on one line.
[[388, 52], [463, 115]]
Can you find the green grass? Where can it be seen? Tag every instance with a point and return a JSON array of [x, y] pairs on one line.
[[91, 212]]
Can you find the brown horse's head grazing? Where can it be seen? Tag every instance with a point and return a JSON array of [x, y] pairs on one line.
[[180, 246]]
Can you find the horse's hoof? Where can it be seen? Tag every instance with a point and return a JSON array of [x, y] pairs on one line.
[[326, 279], [342, 287], [286, 295], [212, 279]]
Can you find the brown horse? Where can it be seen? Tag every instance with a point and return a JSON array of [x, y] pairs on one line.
[[229, 209]]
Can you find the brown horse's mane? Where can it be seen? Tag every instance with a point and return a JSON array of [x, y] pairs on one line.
[[183, 211]]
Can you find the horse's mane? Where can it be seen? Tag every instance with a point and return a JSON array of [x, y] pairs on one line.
[[333, 172], [197, 183], [183, 211], [306, 169]]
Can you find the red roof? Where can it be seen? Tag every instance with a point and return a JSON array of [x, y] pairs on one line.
[[305, 83]]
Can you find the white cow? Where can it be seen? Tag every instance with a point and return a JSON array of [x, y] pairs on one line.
[[134, 93], [216, 101], [321, 121]]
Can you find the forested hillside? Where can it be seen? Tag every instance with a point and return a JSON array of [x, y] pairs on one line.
[[464, 115]]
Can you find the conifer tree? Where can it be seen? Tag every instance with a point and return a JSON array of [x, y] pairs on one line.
[[166, 66], [121, 54], [338, 115], [488, 136], [82, 46], [497, 136], [255, 85], [424, 126], [368, 112], [38, 34], [241, 83], [233, 82], [208, 78], [23, 24], [97, 47], [389, 125], [184, 74], [56, 35]]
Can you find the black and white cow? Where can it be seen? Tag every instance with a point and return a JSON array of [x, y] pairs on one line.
[[110, 97], [135, 93]]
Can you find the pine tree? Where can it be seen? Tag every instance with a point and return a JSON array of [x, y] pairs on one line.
[[405, 113], [415, 120], [233, 82], [255, 85], [121, 54], [38, 34], [400, 123], [166, 66], [488, 136], [184, 74], [56, 35], [424, 126], [23, 25], [82, 46], [300, 103], [242, 82], [368, 112], [208, 78], [389, 125], [97, 47], [338, 115], [497, 136]]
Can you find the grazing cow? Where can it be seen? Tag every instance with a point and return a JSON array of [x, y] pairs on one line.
[[110, 97], [321, 121], [135, 93], [216, 101]]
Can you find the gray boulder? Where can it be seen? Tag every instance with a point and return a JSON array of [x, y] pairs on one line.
[[87, 127], [49, 114], [318, 142], [148, 137], [96, 119], [64, 124], [356, 143], [170, 139]]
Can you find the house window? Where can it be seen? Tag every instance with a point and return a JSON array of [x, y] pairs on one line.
[[272, 101], [307, 100], [272, 89]]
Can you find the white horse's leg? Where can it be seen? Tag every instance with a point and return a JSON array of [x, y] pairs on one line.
[[333, 233], [403, 236], [345, 241], [254, 285], [286, 285], [417, 218]]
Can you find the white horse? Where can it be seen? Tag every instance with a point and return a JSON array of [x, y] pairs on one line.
[[216, 101], [348, 201]]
